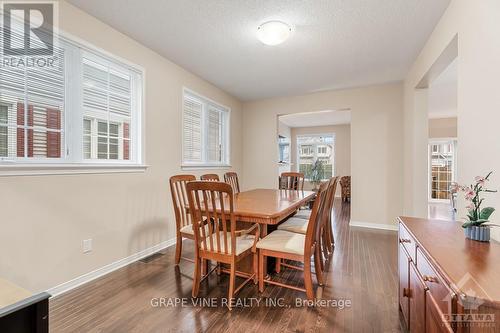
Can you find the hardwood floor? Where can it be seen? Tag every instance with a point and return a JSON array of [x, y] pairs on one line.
[[363, 270]]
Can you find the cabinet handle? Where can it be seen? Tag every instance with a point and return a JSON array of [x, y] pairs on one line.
[[405, 292], [430, 278], [405, 240]]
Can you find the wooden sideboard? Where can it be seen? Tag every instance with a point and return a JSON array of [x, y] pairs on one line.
[[447, 283]]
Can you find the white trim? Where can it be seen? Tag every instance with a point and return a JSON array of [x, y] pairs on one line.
[[67, 169], [85, 278], [205, 166], [370, 225]]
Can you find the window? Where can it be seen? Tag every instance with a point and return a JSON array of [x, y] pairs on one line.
[[107, 105], [284, 149], [85, 108], [205, 132], [316, 149], [442, 169], [4, 140]]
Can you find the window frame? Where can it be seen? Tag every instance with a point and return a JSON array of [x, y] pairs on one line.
[[74, 161], [314, 149], [226, 132], [439, 141]]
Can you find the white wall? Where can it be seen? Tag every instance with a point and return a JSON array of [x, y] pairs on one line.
[[376, 145], [477, 25], [443, 128], [49, 216]]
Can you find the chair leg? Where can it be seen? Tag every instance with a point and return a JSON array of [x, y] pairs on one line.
[[255, 268], [178, 249], [232, 281], [277, 267], [308, 279], [317, 267], [261, 272], [196, 277], [204, 267]]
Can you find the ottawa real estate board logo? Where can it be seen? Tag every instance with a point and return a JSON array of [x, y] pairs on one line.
[[28, 35]]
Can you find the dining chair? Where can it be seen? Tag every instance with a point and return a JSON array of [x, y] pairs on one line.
[[232, 179], [184, 227], [291, 181], [210, 176], [216, 238], [286, 245], [345, 183], [300, 225], [330, 239]]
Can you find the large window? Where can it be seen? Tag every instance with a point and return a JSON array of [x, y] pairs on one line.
[[442, 169], [84, 107], [205, 132], [316, 150]]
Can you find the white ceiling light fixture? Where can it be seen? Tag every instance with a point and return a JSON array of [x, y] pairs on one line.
[[273, 32]]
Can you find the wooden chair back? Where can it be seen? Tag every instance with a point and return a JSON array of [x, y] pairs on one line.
[[316, 218], [291, 181], [329, 201], [212, 232], [232, 179], [210, 176], [180, 199]]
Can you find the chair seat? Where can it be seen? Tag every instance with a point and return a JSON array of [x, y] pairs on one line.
[[296, 225], [283, 241], [243, 243], [303, 214], [188, 229]]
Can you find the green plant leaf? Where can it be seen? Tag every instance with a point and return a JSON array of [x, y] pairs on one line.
[[486, 213], [467, 224]]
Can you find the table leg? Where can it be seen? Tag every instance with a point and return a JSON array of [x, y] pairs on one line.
[[268, 262]]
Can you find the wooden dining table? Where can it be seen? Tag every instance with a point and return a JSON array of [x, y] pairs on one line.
[[268, 207]]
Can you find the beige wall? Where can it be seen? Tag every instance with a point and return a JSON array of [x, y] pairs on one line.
[[477, 26], [376, 145], [443, 128], [342, 149], [45, 218]]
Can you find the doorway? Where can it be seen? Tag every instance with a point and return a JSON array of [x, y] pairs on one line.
[[442, 142]]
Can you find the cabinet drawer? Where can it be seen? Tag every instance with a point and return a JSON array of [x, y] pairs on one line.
[[443, 295], [407, 241]]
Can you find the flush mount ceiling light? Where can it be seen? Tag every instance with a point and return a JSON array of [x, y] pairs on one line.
[[273, 32]]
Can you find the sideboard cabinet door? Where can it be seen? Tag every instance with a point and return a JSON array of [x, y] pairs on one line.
[[435, 321], [417, 301], [404, 267]]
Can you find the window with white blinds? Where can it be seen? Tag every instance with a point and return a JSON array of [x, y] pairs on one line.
[[84, 108], [205, 132]]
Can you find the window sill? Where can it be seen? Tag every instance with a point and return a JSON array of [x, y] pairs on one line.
[[206, 167], [67, 169]]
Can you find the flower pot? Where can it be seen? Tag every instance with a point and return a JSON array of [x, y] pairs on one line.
[[481, 234]]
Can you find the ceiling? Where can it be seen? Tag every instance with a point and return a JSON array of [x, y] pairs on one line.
[[443, 93], [334, 44], [318, 118]]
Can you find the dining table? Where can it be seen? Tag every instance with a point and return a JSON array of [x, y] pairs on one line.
[[267, 207]]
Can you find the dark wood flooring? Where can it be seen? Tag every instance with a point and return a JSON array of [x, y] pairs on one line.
[[363, 270]]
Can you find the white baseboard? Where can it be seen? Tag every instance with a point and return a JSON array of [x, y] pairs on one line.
[[67, 286], [391, 227]]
